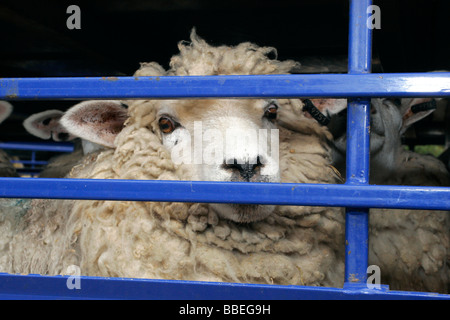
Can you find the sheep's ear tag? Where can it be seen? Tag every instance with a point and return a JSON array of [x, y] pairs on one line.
[[424, 106], [96, 121], [323, 109], [43, 124], [418, 109], [5, 110], [315, 113]]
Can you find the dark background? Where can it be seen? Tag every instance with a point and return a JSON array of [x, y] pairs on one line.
[[116, 36]]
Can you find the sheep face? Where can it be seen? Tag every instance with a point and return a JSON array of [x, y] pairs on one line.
[[224, 140], [386, 123], [389, 120], [217, 140]]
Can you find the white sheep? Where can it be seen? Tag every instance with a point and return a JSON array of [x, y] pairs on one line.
[[46, 125], [191, 241], [6, 167], [411, 247]]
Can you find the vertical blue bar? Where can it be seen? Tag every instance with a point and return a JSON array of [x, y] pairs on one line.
[[33, 161], [358, 148], [360, 38]]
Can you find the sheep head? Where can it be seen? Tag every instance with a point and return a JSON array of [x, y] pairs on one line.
[[390, 118], [211, 140]]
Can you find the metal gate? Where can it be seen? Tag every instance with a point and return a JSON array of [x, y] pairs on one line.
[[359, 85]]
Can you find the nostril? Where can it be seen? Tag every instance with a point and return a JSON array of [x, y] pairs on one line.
[[246, 169], [234, 164], [242, 165], [230, 164]]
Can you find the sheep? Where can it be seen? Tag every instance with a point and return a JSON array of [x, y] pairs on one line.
[[46, 125], [191, 241], [442, 114], [6, 167], [411, 247]]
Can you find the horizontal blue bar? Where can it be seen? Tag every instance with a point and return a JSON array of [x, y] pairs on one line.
[[45, 287], [434, 198], [33, 162], [38, 146], [244, 86]]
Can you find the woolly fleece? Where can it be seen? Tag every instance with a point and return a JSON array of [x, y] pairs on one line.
[[294, 245]]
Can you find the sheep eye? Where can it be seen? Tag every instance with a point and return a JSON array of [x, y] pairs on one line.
[[271, 112], [166, 125]]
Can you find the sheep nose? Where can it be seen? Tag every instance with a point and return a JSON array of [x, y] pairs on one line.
[[246, 169]]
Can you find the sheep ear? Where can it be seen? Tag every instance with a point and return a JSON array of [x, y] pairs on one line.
[[414, 110], [6, 109], [45, 125], [330, 106], [96, 121]]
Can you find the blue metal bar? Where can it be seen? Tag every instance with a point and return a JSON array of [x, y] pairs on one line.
[[358, 148], [358, 142], [33, 158], [360, 38], [357, 219], [33, 162], [356, 194], [45, 287], [331, 195], [245, 86], [38, 146]]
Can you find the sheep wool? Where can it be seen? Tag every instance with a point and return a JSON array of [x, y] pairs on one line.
[[294, 245], [412, 247], [59, 166], [6, 167]]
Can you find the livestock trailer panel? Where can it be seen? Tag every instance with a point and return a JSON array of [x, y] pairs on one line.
[[29, 163], [356, 195]]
